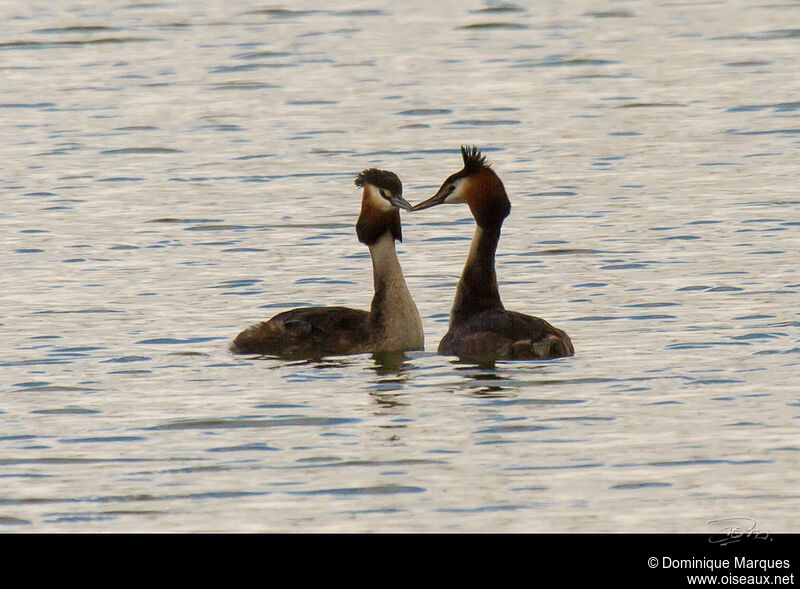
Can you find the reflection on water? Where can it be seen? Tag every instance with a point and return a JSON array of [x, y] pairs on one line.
[[391, 363], [174, 171]]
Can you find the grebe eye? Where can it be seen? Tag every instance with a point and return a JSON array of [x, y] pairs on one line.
[[383, 193]]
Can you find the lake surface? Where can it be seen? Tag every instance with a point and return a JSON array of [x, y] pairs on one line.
[[172, 172]]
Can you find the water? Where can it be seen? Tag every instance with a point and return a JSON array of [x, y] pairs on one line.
[[172, 172]]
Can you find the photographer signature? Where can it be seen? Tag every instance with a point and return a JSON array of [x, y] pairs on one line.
[[735, 529]]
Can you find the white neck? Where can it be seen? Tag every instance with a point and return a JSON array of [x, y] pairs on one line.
[[394, 318]]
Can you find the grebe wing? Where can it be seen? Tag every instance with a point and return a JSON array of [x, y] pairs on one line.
[[501, 334], [309, 332]]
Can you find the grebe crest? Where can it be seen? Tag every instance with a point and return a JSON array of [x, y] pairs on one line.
[[477, 185]]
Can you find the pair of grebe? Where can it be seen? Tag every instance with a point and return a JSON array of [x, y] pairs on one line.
[[480, 326]]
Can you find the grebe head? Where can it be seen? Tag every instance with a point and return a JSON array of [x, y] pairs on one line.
[[381, 198], [477, 185]]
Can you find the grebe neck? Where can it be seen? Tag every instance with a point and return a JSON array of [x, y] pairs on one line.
[[393, 317], [477, 290]]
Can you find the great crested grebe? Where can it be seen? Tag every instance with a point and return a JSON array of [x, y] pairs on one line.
[[480, 327], [392, 323]]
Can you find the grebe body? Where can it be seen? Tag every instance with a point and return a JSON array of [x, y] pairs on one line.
[[391, 324], [480, 326]]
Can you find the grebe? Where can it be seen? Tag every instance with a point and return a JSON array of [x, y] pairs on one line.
[[393, 322], [480, 327]]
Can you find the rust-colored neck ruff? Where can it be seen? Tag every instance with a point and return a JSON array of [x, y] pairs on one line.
[[488, 201], [374, 222]]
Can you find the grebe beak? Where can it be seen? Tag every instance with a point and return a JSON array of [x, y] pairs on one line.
[[400, 202], [436, 199]]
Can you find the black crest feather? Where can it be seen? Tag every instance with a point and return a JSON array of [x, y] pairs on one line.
[[381, 179], [474, 160]]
